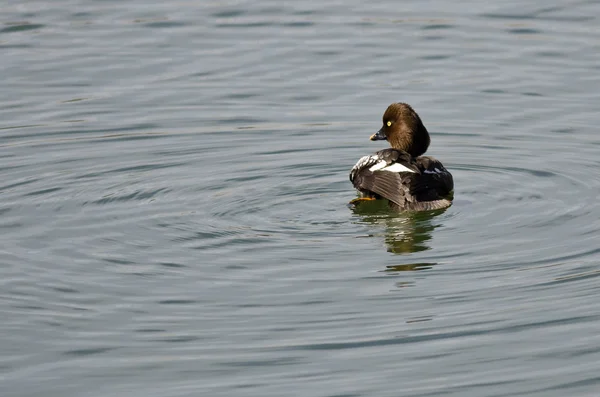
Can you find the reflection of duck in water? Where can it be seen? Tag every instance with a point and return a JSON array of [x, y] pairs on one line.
[[401, 175], [404, 233]]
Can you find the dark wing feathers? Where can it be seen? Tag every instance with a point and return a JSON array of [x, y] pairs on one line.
[[385, 184], [425, 188], [393, 186], [434, 182]]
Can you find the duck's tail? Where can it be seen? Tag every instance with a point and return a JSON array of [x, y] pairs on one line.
[[431, 205], [423, 205]]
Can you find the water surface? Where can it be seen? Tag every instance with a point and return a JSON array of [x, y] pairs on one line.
[[174, 186]]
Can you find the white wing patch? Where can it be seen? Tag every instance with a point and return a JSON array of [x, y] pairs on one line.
[[378, 166], [365, 160], [376, 163], [435, 171], [395, 167]]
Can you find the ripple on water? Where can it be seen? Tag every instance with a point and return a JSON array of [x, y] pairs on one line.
[[174, 193], [13, 27]]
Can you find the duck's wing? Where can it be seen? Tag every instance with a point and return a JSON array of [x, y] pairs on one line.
[[434, 181], [387, 173], [390, 160]]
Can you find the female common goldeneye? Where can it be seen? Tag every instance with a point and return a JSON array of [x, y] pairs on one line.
[[408, 180]]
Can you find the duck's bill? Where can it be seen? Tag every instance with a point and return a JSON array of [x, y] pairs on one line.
[[378, 136]]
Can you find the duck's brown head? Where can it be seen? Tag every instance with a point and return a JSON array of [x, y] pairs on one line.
[[403, 129]]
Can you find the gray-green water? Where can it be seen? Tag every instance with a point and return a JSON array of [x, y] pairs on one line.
[[174, 180]]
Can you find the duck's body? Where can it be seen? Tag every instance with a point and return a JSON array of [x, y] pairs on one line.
[[401, 175]]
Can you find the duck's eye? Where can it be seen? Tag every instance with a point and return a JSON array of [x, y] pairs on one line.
[[389, 123]]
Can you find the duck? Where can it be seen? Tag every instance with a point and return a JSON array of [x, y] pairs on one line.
[[401, 174]]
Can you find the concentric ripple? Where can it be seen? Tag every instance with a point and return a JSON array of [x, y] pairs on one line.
[[174, 190]]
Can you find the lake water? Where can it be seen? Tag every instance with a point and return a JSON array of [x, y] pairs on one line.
[[174, 189]]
